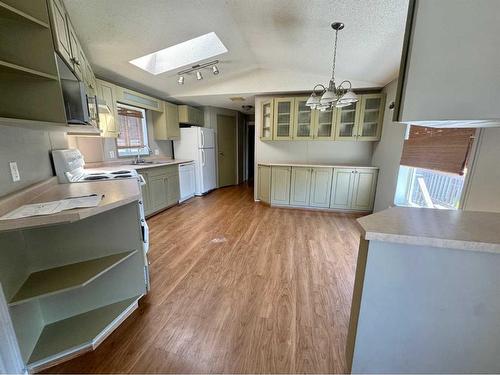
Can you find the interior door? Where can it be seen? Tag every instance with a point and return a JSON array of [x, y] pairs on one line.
[[226, 142]]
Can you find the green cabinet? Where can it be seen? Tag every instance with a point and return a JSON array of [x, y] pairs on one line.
[[162, 188], [346, 125], [321, 184], [280, 185], [300, 186], [353, 188], [371, 117], [266, 119], [60, 29], [166, 123], [303, 120], [283, 119], [108, 122], [324, 124], [264, 183]]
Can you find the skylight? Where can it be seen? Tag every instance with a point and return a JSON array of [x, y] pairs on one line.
[[182, 54]]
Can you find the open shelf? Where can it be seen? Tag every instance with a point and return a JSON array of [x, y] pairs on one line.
[[9, 12], [60, 279], [78, 333], [18, 69]]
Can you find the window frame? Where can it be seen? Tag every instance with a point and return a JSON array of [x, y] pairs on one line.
[[128, 152]]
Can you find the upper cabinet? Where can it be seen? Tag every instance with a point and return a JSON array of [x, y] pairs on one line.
[[449, 67], [131, 97], [60, 30], [283, 118], [29, 81], [290, 119], [108, 122], [190, 115], [166, 123], [303, 119]]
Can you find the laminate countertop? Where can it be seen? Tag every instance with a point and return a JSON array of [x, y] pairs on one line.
[[283, 164], [121, 164], [116, 193], [453, 229]]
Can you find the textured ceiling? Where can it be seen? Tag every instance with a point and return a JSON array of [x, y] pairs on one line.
[[274, 45]]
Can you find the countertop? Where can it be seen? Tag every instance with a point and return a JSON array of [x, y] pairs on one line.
[[121, 164], [454, 229], [293, 164], [116, 193]]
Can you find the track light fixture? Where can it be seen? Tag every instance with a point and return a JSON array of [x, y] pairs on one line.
[[197, 69]]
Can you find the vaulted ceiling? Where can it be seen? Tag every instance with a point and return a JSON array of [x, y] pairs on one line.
[[274, 45]]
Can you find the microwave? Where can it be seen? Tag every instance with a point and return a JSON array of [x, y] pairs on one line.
[[81, 109]]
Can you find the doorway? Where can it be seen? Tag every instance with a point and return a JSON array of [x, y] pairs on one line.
[[226, 143]]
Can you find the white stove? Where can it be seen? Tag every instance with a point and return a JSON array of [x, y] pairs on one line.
[[69, 165]]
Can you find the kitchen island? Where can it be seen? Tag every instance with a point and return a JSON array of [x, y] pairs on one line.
[[427, 293]]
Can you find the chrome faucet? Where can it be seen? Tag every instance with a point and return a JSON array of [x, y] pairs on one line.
[[138, 158]]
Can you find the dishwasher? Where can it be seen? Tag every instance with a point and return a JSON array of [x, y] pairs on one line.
[[187, 180]]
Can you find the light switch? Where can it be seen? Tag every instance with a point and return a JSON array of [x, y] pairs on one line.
[[14, 172], [112, 154], [157, 152]]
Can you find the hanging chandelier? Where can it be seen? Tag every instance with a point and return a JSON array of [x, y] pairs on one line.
[[324, 98]]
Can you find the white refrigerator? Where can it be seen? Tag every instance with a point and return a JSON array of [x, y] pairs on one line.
[[198, 144]]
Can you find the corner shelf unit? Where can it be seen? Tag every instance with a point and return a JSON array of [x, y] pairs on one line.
[[61, 279], [9, 12], [86, 330], [18, 69]]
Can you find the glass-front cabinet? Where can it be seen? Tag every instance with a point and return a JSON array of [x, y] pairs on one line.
[[266, 131], [283, 118], [371, 117], [303, 120], [324, 124], [347, 122]]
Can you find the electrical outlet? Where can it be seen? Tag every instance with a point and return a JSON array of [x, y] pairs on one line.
[[112, 154], [157, 152], [14, 172]]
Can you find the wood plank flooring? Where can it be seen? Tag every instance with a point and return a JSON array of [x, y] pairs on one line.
[[238, 287]]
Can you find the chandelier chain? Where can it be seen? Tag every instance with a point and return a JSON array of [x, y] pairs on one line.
[[334, 55]]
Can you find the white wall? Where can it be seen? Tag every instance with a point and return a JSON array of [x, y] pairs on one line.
[[484, 184], [387, 153], [327, 152]]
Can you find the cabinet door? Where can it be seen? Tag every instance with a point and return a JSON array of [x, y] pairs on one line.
[[303, 120], [146, 197], [158, 192], [321, 186], [166, 123], [264, 183], [60, 30], [365, 181], [346, 124], [371, 117], [76, 53], [300, 186], [173, 189], [280, 185], [324, 124], [109, 121], [266, 130], [283, 119], [342, 185]]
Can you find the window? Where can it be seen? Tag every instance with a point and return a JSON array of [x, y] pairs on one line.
[[433, 167], [133, 131]]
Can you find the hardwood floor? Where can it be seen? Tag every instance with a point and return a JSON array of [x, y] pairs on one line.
[[238, 287]]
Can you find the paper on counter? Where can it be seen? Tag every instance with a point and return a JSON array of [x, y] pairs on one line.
[[47, 208]]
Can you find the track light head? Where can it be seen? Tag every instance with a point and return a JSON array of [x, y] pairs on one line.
[[199, 77], [180, 81], [215, 69]]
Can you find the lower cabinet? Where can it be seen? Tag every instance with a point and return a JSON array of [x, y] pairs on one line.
[[300, 186], [280, 185], [162, 188], [353, 188], [264, 181], [318, 187]]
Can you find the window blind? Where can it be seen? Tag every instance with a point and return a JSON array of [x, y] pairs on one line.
[[131, 134], [445, 150]]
